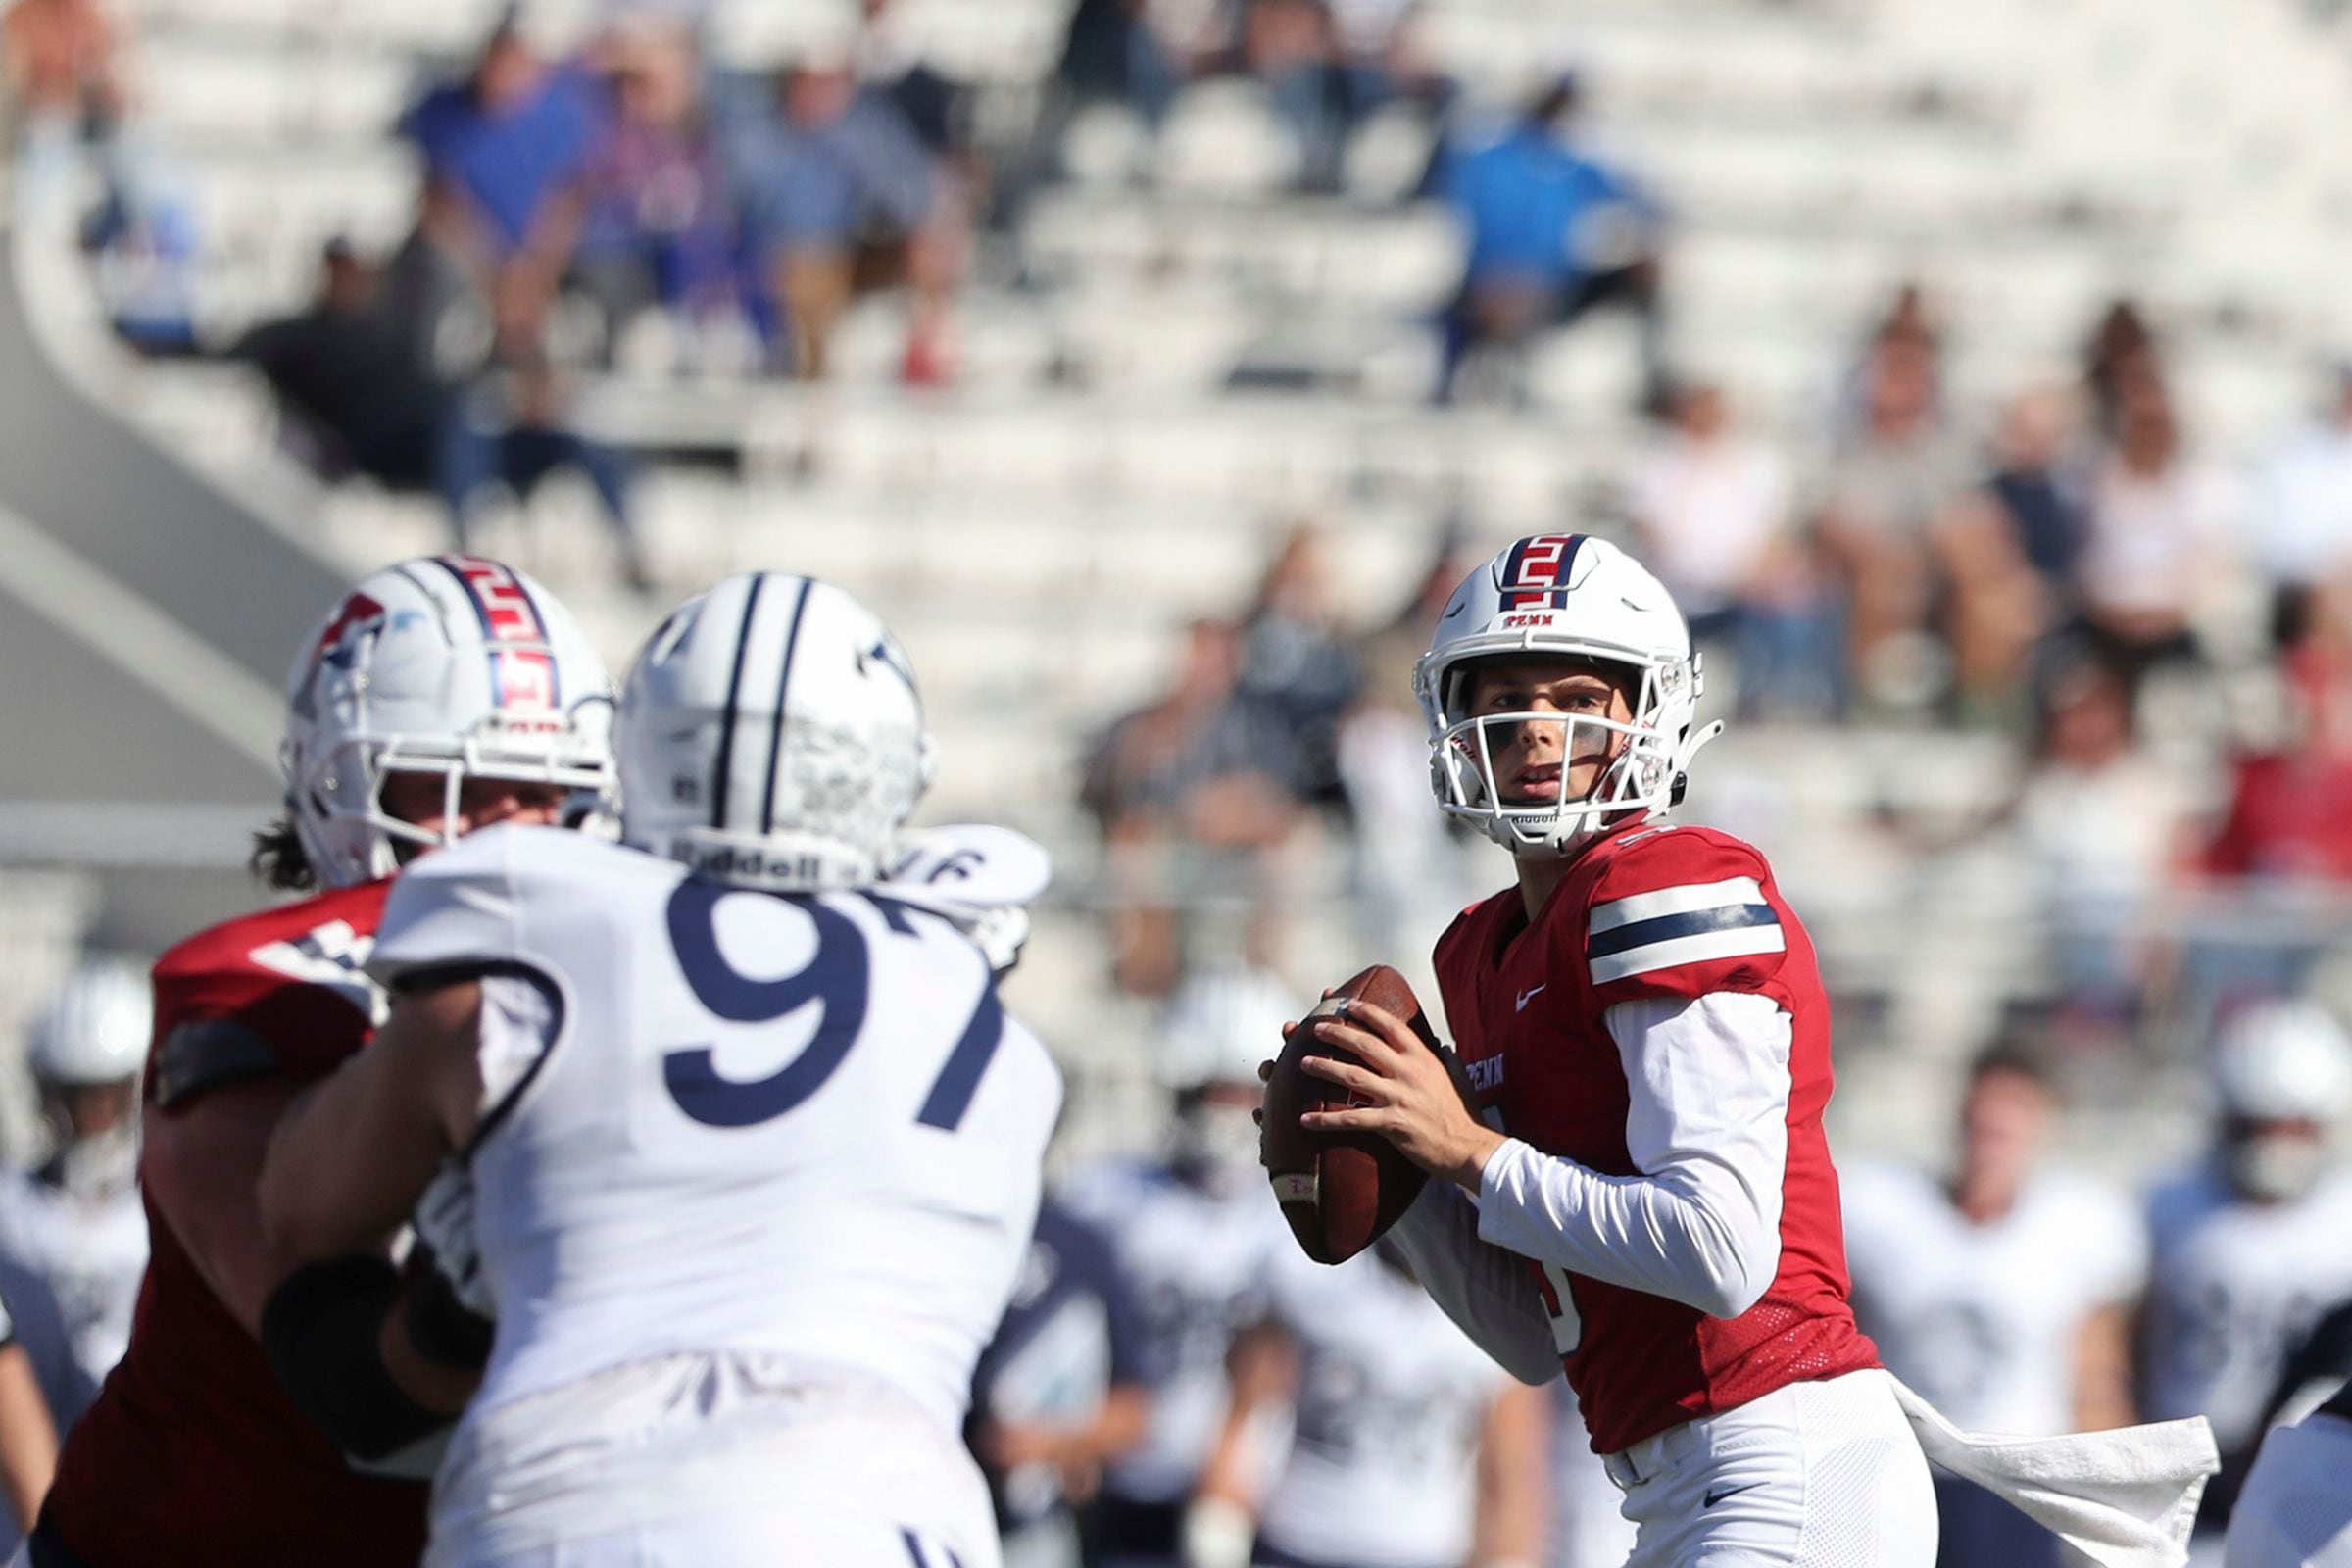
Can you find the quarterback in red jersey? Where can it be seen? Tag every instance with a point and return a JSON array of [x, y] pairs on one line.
[[1650, 1199], [439, 697]]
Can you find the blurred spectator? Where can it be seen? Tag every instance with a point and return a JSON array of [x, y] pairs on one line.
[[62, 77], [1886, 494], [2249, 1242], [504, 151], [2008, 550], [1410, 879], [1195, 1236], [1319, 92], [2303, 525], [1206, 767], [839, 198], [512, 429], [2031, 484], [75, 1219], [2121, 353], [2156, 543], [2105, 825], [1409, 1449], [2000, 1290], [1062, 1389], [657, 229], [1908, 325], [886, 57], [345, 372], [1115, 52], [2287, 817], [1553, 231], [1712, 508], [1297, 663]]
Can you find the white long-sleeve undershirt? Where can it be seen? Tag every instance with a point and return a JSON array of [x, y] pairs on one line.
[[1707, 1128]]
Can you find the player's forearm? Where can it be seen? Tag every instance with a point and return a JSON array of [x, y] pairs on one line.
[[1485, 1290], [28, 1437], [1691, 1233]]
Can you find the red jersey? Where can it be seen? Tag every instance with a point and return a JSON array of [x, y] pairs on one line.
[[1647, 913], [192, 1454]]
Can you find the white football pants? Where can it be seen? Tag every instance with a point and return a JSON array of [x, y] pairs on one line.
[[2297, 1506], [709, 1461], [1815, 1475]]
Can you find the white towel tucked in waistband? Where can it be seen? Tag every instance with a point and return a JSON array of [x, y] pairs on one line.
[[2125, 1499]]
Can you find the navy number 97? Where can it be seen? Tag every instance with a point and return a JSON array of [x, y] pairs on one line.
[[839, 979]]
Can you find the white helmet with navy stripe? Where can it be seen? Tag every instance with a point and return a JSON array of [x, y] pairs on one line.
[[770, 734], [455, 666], [1575, 597]]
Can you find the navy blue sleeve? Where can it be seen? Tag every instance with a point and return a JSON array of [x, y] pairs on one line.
[[1090, 1264]]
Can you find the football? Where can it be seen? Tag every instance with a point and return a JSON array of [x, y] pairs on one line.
[[1339, 1191]]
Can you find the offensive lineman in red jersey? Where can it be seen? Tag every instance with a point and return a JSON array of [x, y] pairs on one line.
[[441, 696], [1645, 1030]]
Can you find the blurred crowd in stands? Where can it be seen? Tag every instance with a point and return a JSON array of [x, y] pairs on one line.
[[2168, 639]]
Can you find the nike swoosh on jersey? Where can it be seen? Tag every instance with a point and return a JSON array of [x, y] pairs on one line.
[[1721, 1492], [1527, 996]]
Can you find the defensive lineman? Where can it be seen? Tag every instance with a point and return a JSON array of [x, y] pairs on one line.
[[756, 1149]]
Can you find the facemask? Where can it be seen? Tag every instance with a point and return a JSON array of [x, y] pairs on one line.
[[2277, 1167], [1217, 1145], [100, 1166]]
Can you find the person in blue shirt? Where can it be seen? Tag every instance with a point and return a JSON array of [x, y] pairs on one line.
[[1551, 232]]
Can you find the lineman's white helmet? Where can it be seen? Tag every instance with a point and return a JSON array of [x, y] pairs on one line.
[[1576, 597], [2283, 1061], [1220, 1024], [96, 1031], [447, 665], [770, 735]]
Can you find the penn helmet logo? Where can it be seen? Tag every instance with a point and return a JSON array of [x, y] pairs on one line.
[[339, 643], [356, 620], [522, 669], [1536, 573]]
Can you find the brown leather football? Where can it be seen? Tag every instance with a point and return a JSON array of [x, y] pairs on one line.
[[1339, 1190]]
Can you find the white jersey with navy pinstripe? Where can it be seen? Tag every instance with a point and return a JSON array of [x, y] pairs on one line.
[[758, 1123]]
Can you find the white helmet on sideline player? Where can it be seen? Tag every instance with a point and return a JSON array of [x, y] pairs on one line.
[[2282, 1071], [770, 734], [87, 1048], [447, 665], [1220, 1024], [1576, 597]]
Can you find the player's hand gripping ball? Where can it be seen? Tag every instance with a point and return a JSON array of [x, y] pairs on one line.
[[1339, 1190]]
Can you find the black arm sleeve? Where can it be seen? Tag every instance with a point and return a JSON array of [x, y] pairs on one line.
[[320, 1330]]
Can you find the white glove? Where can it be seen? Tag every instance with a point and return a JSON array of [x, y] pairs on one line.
[[983, 878], [444, 1222]]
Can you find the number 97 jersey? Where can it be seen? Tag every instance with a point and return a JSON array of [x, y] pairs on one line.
[[727, 1120]]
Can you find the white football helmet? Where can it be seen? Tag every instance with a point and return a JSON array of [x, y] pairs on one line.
[[770, 735], [447, 665], [93, 1037], [1220, 1024], [1576, 597], [96, 1031], [2276, 1067], [2283, 1061]]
